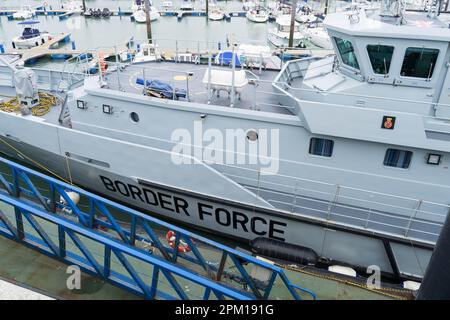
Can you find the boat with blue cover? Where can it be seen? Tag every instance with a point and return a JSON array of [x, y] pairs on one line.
[[30, 37]]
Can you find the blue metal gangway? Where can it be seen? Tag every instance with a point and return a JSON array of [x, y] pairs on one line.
[[130, 252]]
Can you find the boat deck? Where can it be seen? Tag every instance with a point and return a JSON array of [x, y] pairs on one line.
[[255, 96]]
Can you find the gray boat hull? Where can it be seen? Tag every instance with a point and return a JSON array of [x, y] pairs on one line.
[[333, 241]]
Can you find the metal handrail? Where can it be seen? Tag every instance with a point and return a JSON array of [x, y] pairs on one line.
[[89, 218]]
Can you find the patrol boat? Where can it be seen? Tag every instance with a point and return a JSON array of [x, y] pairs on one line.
[[347, 155]]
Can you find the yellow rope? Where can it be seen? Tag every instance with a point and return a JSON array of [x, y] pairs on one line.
[[34, 161], [46, 102]]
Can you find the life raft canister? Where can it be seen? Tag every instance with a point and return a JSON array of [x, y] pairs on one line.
[[183, 247]]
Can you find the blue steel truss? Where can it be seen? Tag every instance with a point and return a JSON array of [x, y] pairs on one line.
[[96, 220]]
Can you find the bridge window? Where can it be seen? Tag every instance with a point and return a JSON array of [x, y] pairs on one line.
[[380, 58], [397, 158], [321, 147], [419, 62], [347, 52]]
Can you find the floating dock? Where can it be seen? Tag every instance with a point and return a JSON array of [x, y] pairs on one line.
[[34, 53], [30, 56]]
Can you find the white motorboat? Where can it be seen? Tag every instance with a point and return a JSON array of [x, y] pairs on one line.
[[319, 37], [74, 7], [248, 5], [167, 6], [253, 55], [279, 36], [305, 18], [24, 13], [141, 17], [147, 52], [305, 14], [187, 5], [258, 15], [215, 12], [30, 37]]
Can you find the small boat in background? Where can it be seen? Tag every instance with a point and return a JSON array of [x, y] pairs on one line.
[[74, 7], [254, 56], [319, 37], [167, 6], [25, 12], [278, 8], [304, 14], [187, 5], [215, 12], [140, 16], [147, 52], [96, 13], [30, 37], [106, 13], [279, 36], [248, 5], [258, 15]]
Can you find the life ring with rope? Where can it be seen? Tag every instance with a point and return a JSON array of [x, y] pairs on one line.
[[102, 63], [183, 247]]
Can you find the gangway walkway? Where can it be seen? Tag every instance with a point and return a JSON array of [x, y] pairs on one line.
[[128, 248]]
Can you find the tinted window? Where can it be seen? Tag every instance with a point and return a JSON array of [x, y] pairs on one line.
[[380, 58], [347, 52], [321, 147], [397, 158], [419, 62]]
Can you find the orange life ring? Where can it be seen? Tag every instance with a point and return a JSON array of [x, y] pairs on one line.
[[102, 63], [183, 247]]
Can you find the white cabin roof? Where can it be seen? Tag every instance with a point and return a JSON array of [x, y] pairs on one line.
[[415, 25]]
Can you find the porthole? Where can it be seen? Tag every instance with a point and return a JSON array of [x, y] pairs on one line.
[[252, 135], [134, 117]]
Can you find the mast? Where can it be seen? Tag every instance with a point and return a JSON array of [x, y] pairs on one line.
[[147, 18], [292, 27]]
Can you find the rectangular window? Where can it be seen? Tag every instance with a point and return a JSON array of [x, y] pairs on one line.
[[347, 52], [380, 58], [321, 147], [397, 158], [419, 62]]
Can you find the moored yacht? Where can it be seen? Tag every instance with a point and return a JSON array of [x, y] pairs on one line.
[[347, 155], [139, 13], [186, 5], [279, 35], [318, 37], [258, 15], [30, 37], [304, 14], [25, 12], [74, 7], [167, 6]]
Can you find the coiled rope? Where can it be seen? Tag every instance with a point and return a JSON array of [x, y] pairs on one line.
[[46, 102]]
